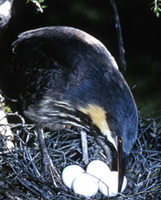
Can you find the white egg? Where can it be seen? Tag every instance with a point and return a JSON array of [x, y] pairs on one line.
[[85, 185], [69, 173], [98, 169], [108, 185]]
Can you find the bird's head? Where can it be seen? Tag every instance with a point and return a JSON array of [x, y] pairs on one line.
[[120, 135]]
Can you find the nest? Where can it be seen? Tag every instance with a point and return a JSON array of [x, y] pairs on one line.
[[22, 175]]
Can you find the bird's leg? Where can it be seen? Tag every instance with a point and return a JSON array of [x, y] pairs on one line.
[[47, 161], [107, 151], [84, 146]]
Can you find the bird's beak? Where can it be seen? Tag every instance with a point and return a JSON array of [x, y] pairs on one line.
[[120, 164]]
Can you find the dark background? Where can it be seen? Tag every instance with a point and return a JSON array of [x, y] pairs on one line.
[[141, 34]]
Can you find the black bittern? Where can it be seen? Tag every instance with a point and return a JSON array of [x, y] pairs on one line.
[[67, 77]]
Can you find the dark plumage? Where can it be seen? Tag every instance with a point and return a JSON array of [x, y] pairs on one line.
[[66, 76]]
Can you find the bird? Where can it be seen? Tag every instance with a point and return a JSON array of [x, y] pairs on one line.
[[65, 77]]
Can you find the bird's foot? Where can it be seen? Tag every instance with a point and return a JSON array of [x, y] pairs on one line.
[[49, 167], [47, 161]]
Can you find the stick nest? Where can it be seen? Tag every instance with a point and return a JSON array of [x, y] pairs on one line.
[[22, 175]]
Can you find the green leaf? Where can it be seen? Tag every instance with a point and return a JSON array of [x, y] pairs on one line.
[[8, 109], [157, 14], [41, 1], [44, 6]]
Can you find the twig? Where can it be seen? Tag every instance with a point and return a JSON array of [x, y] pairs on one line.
[[122, 66]]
